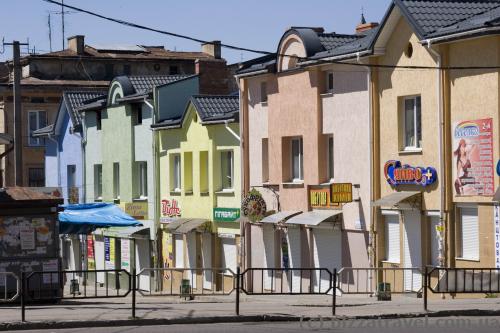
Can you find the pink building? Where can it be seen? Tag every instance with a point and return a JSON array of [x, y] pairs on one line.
[[306, 126]]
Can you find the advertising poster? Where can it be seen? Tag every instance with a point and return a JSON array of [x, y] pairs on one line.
[[109, 262], [496, 236], [90, 252], [50, 266], [473, 170], [27, 237], [125, 251]]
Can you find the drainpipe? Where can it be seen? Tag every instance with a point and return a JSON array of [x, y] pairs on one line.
[[243, 240], [442, 217], [226, 123]]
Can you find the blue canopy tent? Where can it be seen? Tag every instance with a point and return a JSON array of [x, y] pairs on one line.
[[85, 218]]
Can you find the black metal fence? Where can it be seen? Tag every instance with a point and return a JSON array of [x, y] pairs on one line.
[[191, 282]]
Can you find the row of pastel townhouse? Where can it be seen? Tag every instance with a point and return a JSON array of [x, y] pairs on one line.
[[401, 118]]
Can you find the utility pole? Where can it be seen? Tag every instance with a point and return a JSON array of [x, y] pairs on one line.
[[18, 145], [62, 19], [50, 34]]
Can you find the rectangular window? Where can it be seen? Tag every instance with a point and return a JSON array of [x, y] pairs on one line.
[[98, 115], [329, 82], [37, 120], [297, 160], [36, 177], [204, 172], [227, 170], [188, 172], [412, 126], [142, 176], [137, 114], [173, 70], [330, 158], [98, 182], [71, 179], [263, 92], [392, 238], [116, 180], [176, 173], [265, 160], [469, 234]]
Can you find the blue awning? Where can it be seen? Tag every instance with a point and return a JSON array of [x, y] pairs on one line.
[[85, 218]]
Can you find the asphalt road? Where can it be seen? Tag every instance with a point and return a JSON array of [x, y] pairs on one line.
[[429, 325]]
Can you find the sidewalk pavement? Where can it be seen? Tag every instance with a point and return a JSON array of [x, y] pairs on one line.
[[214, 309]]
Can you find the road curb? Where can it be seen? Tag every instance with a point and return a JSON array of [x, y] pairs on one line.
[[20, 326]]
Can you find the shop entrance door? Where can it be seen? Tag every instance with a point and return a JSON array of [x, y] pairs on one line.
[[269, 255], [294, 258], [206, 254], [412, 249]]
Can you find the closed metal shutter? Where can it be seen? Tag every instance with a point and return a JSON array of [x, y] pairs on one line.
[[434, 234], [179, 251], [228, 254], [191, 248], [294, 257], [412, 250], [470, 233], [206, 244], [327, 254], [392, 243]]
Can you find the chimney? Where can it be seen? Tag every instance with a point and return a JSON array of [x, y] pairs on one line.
[[77, 44], [364, 26], [213, 48]]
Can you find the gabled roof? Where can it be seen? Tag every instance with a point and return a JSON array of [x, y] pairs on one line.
[[212, 109], [431, 18]]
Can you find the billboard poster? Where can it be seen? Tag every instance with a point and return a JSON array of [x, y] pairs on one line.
[[125, 252], [90, 252], [473, 170], [109, 255]]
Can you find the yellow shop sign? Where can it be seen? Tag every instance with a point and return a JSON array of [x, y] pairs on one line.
[[138, 210]]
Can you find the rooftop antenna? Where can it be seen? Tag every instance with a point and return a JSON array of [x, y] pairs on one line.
[[363, 20]]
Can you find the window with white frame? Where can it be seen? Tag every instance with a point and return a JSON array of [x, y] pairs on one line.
[[330, 158], [227, 170], [392, 238], [176, 173], [142, 176], [116, 180], [469, 233], [37, 120], [412, 125], [98, 182], [297, 160]]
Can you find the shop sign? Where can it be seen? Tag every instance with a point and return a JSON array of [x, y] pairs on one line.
[[496, 236], [398, 174], [254, 206], [226, 214], [138, 210], [319, 198], [170, 208], [226, 235], [473, 164], [341, 193], [498, 168], [125, 254]]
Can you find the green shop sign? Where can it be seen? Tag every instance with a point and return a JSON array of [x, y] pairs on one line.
[[226, 214]]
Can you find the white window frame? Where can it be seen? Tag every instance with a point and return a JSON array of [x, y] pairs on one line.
[[331, 158], [416, 146], [36, 142], [98, 182], [224, 156], [300, 178], [176, 173], [142, 177]]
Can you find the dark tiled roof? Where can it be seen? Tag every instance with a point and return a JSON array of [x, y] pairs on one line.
[[360, 44], [333, 40], [76, 99], [267, 62], [431, 16], [215, 108], [146, 83]]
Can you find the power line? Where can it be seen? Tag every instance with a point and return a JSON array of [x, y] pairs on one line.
[[238, 48]]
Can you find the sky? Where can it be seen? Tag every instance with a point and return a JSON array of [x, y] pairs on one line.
[[255, 24]]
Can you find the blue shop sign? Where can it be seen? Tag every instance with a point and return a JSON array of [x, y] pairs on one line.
[[398, 174]]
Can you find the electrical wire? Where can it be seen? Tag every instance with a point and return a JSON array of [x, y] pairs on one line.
[[238, 48]]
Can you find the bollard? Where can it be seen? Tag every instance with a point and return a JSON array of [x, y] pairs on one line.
[[334, 301], [134, 287], [238, 276], [425, 288], [23, 295]]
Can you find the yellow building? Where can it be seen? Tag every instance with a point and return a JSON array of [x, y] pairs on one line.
[[200, 193]]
